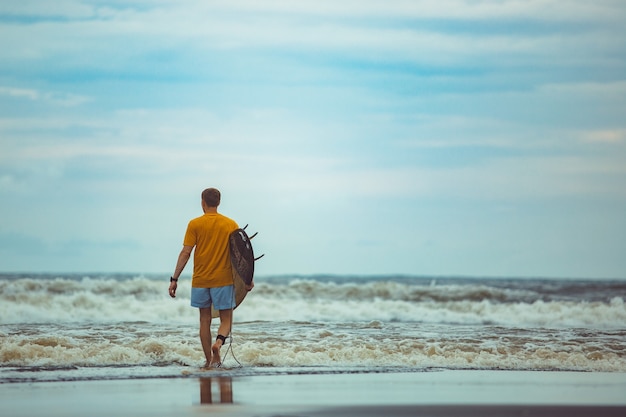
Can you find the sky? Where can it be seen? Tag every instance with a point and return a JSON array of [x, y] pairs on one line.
[[435, 137]]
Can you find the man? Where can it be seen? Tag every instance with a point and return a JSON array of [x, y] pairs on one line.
[[212, 280]]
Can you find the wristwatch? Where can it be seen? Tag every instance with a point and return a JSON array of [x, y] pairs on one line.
[[173, 280]]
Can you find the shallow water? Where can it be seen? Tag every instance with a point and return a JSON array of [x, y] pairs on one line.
[[126, 326]]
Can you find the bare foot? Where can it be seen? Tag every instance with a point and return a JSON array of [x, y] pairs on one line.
[[216, 361]]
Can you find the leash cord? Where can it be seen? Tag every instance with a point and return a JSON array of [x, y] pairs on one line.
[[230, 335]]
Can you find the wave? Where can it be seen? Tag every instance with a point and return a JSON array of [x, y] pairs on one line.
[[368, 346], [63, 328], [110, 300], [87, 300]]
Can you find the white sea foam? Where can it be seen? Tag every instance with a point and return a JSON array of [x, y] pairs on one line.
[[142, 299], [111, 324], [90, 300], [299, 345]]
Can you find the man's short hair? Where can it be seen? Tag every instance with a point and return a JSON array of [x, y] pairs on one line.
[[211, 197]]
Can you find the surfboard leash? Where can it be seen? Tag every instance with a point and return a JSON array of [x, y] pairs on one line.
[[230, 335], [232, 352]]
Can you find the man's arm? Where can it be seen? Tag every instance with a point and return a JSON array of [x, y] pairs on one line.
[[183, 258]]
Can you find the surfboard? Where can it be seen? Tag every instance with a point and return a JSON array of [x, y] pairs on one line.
[[242, 261]]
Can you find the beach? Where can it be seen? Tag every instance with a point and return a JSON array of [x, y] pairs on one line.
[[432, 393], [117, 344]]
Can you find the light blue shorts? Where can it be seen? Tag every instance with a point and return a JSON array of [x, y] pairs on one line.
[[222, 298]]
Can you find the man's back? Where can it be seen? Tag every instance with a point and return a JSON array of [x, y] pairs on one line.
[[209, 234]]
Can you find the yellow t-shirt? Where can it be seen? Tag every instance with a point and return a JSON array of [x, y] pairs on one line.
[[211, 260]]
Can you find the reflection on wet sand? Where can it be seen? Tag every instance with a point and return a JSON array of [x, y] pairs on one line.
[[222, 387]]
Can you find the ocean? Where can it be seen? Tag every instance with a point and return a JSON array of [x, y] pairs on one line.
[[75, 327]]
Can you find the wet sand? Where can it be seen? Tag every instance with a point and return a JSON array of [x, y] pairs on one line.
[[436, 393]]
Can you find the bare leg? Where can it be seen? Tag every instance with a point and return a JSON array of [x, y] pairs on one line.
[[205, 333], [226, 321]]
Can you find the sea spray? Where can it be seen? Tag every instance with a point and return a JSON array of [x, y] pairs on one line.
[[125, 326]]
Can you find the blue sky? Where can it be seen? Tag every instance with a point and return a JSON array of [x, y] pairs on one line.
[[475, 138]]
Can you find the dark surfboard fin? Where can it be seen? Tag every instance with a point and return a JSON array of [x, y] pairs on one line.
[[252, 237]]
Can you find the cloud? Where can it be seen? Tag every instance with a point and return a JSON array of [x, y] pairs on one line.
[[149, 29], [345, 122], [20, 93], [616, 136], [52, 98]]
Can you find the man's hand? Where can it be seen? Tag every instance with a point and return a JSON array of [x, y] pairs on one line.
[[173, 286], [183, 257]]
